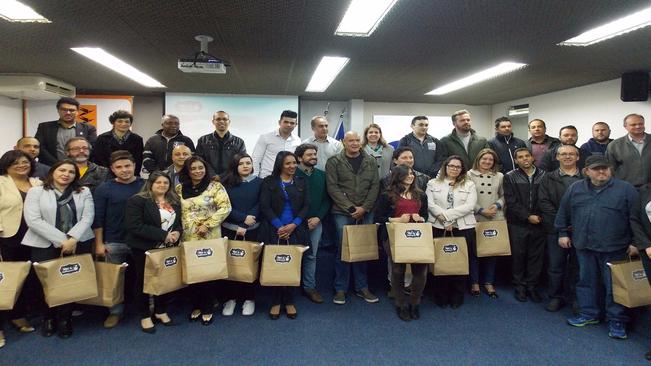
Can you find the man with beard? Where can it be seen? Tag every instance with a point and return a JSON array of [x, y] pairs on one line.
[[91, 175], [428, 152], [53, 135], [219, 147], [599, 142], [463, 141], [505, 143], [319, 207], [540, 141], [568, 136], [110, 200]]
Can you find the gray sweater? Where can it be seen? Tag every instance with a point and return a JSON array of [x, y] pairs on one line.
[[629, 165]]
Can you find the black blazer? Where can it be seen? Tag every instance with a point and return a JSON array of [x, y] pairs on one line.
[[142, 223], [272, 201], [46, 134], [640, 223], [106, 145]]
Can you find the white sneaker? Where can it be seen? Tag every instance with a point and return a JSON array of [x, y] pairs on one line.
[[248, 308], [229, 308]]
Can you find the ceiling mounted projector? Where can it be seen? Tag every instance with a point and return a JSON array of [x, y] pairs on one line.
[[202, 62]]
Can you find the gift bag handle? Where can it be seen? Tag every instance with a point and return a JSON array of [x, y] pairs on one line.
[[243, 237], [445, 231], [286, 242]]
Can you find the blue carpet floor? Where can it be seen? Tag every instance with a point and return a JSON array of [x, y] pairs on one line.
[[481, 332]]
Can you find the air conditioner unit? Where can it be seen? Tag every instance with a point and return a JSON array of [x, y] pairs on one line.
[[34, 87]]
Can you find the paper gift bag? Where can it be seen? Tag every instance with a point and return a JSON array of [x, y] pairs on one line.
[[163, 273], [411, 242], [630, 284], [492, 238], [110, 284], [204, 260], [12, 278], [359, 243], [451, 257], [243, 258], [281, 265], [67, 279]]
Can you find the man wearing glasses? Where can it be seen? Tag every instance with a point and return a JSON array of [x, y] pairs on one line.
[[91, 175], [54, 135]]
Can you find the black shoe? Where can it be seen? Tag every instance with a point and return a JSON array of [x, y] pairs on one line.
[[48, 329], [170, 323], [554, 305], [534, 295], [207, 322], [648, 355], [403, 313], [65, 329], [414, 312], [520, 295]]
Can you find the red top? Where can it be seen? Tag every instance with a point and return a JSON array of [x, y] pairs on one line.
[[405, 206]]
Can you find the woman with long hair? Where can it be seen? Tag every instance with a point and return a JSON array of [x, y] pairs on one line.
[[489, 183], [153, 220], [205, 205], [284, 206], [451, 199], [243, 222], [59, 215], [403, 202], [15, 170], [375, 145]]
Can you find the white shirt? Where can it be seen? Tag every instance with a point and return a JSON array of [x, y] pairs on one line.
[[266, 149], [638, 145], [326, 149]]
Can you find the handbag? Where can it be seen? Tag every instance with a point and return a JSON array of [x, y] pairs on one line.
[[163, 273], [492, 238], [12, 278], [451, 256], [204, 260], [411, 242], [67, 279], [359, 243], [281, 265], [243, 258], [110, 284]]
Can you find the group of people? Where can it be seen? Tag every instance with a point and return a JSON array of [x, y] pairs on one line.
[[67, 191]]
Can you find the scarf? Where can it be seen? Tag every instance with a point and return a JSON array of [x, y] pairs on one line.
[[66, 216]]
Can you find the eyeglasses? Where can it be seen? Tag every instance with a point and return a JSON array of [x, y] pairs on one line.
[[68, 110], [76, 149], [455, 167]]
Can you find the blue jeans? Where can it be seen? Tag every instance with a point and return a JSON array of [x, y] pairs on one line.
[[593, 273], [118, 253], [309, 259], [342, 269], [562, 270]]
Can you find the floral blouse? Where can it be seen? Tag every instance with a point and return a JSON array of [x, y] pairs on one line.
[[210, 209]]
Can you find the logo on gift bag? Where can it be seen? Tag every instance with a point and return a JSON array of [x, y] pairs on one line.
[[450, 248], [203, 252], [2, 276], [170, 261], [489, 233], [69, 268], [413, 233], [283, 258], [237, 252], [638, 275]]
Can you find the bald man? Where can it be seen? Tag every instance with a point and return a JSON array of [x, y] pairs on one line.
[[30, 146], [180, 154], [353, 184]]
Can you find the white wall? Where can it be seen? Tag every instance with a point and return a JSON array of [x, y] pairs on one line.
[[147, 115], [581, 107], [11, 126], [311, 108]]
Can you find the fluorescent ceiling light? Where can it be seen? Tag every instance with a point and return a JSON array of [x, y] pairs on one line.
[[615, 28], [501, 69], [15, 11], [363, 16], [106, 59], [325, 73]]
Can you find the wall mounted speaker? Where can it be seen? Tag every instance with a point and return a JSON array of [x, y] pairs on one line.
[[635, 86]]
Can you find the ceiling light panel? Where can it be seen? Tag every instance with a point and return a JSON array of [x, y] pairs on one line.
[[15, 11], [106, 59], [325, 73], [363, 16], [615, 28], [495, 71]]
